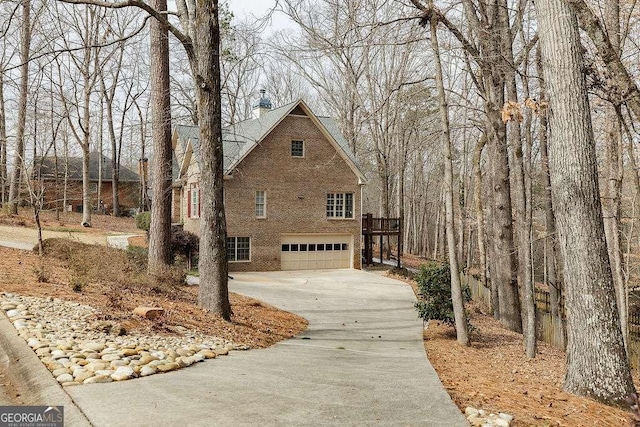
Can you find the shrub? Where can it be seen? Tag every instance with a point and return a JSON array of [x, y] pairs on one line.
[[434, 287], [42, 275], [184, 243], [77, 284], [143, 221]]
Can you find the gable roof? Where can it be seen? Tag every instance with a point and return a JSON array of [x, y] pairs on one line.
[[241, 138], [74, 169]]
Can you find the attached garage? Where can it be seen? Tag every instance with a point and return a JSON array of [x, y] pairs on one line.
[[316, 251]]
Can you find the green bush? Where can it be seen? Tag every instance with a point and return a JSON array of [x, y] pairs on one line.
[[143, 221], [434, 298]]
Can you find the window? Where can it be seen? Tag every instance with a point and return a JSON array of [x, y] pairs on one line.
[[340, 205], [261, 204], [194, 202], [238, 249], [297, 148]]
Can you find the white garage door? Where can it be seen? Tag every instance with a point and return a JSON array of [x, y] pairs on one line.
[[315, 252]]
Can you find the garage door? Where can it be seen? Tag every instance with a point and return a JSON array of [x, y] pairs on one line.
[[315, 252]]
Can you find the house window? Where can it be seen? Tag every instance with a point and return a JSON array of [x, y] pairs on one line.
[[261, 204], [194, 202], [297, 148], [340, 205], [238, 249]]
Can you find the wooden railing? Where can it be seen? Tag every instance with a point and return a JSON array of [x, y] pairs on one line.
[[386, 226]]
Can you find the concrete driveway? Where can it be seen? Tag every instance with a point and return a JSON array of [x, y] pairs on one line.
[[361, 362]]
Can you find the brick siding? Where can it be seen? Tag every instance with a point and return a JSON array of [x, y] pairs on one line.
[[296, 192]]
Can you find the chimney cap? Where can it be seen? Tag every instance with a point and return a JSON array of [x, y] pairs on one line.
[[263, 102]]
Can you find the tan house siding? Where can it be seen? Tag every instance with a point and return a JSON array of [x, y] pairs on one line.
[[296, 193], [191, 223]]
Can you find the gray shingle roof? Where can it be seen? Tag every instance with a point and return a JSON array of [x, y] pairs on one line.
[[74, 169], [242, 137]]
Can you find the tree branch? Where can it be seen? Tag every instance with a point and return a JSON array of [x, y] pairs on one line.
[[430, 13], [161, 17], [620, 76]]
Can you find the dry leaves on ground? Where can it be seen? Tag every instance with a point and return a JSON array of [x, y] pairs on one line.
[[254, 323], [494, 374]]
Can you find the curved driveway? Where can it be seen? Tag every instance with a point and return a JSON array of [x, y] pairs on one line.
[[361, 362]]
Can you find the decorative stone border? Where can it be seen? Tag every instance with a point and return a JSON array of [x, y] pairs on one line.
[[80, 349]]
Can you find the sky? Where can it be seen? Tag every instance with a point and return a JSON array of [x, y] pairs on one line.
[[252, 9]]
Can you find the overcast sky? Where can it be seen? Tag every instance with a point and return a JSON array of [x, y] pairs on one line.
[[252, 9]]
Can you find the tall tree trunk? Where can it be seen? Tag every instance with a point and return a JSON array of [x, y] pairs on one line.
[[530, 336], [99, 203], [65, 184], [597, 365], [504, 273], [551, 253], [213, 293], [3, 144], [86, 147], [614, 174], [144, 197], [519, 191], [456, 286], [491, 258], [115, 158], [478, 194], [160, 227], [18, 162]]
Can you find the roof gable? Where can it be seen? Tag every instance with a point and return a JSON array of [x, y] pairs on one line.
[[73, 166], [241, 138]]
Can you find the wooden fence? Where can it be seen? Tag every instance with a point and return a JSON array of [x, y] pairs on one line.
[[551, 330]]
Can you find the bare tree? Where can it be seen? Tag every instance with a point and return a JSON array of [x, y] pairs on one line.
[[86, 25], [201, 40], [160, 228], [614, 174], [3, 144], [456, 286], [597, 364], [19, 156], [490, 27]]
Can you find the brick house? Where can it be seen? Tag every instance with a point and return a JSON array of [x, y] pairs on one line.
[[128, 185], [292, 190]]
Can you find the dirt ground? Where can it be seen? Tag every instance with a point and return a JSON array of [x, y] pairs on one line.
[[113, 283], [494, 374]]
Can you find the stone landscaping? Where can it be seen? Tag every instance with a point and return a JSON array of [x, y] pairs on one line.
[[78, 348], [479, 417]]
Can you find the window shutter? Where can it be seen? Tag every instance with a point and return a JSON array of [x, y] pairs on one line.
[[199, 201], [189, 204]]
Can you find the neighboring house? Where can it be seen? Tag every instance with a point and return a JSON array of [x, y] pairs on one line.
[[70, 170], [292, 190]]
